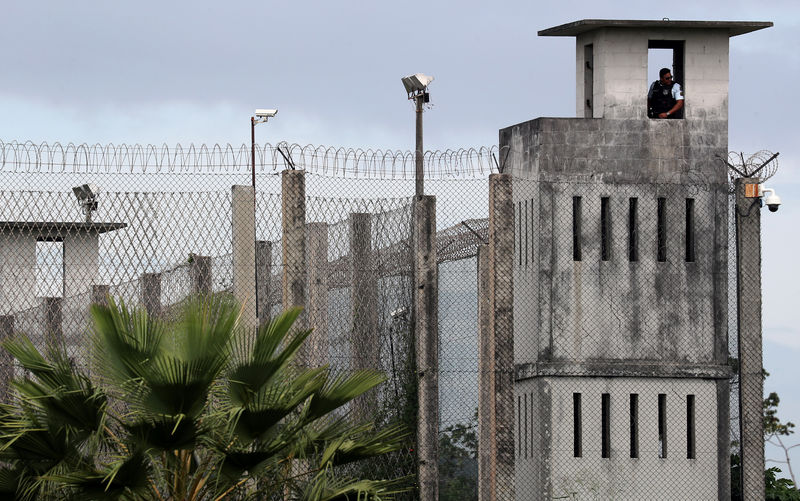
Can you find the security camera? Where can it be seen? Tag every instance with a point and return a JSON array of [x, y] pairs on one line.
[[773, 201], [261, 113]]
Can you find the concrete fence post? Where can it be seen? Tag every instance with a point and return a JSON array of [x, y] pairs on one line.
[[54, 319], [6, 362], [150, 293], [317, 294], [200, 275], [243, 221], [264, 275], [751, 382], [501, 322], [426, 331], [485, 380], [363, 305], [293, 205], [100, 294]]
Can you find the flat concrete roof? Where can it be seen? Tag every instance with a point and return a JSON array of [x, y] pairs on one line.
[[59, 227], [577, 27]]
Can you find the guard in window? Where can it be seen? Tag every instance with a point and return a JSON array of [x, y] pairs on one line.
[[665, 97]]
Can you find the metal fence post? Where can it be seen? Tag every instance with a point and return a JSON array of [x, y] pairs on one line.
[[426, 328], [751, 381], [501, 321], [243, 221]]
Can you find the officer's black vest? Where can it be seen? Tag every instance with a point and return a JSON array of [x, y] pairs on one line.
[[662, 100]]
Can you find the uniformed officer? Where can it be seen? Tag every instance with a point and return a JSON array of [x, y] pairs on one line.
[[665, 97]]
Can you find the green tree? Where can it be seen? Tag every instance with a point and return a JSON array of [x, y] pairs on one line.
[[458, 461], [195, 409]]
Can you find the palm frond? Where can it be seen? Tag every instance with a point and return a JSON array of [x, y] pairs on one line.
[[341, 390]]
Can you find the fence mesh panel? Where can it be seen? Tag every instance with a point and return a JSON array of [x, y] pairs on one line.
[[624, 318]]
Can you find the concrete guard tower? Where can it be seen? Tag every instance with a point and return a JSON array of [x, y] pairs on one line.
[[18, 258], [620, 273]]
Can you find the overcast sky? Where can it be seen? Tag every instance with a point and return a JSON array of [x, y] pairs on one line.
[[192, 72]]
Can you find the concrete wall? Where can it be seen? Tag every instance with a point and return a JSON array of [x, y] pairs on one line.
[[620, 72], [546, 465], [617, 310]]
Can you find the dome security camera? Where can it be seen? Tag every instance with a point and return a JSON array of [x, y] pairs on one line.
[[772, 201]]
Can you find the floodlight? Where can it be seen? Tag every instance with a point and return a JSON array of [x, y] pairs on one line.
[[86, 192], [262, 113], [416, 83], [87, 198]]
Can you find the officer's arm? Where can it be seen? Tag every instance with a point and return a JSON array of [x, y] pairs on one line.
[[675, 108]]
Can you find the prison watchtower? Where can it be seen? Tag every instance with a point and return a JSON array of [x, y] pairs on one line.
[[620, 273]]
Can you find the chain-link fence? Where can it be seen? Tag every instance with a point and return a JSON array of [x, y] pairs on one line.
[[622, 318]]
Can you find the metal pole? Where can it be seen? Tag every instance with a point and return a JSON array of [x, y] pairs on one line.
[[418, 157], [751, 380], [253, 149]]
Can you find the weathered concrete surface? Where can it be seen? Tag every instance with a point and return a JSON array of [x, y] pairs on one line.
[[486, 392], [6, 361], [243, 226], [54, 320], [100, 294], [200, 274], [293, 245], [501, 321], [150, 293], [620, 72], [317, 294], [426, 331], [748, 302], [264, 280]]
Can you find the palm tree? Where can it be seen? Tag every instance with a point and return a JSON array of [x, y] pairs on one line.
[[194, 409]]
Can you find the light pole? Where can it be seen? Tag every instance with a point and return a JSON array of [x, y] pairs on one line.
[[260, 116], [417, 89]]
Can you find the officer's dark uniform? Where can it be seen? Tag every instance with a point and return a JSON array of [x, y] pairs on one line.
[[661, 100]]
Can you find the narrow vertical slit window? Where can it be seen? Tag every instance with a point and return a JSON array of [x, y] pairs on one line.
[[525, 438], [633, 229], [577, 438], [576, 229], [519, 231], [605, 229], [533, 233], [526, 233], [691, 444], [605, 425], [690, 230], [588, 80], [662, 229], [533, 435], [519, 426], [662, 425], [634, 415]]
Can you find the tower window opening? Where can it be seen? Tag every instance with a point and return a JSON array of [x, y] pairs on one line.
[[690, 237], [588, 81], [668, 54], [50, 268], [576, 228], [691, 443], [605, 229], [634, 415], [605, 426], [633, 230], [662, 425], [661, 215], [577, 438]]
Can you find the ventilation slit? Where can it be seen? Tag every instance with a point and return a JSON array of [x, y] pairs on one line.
[[576, 228]]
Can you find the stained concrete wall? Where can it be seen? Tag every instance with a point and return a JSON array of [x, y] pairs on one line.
[[617, 310], [620, 72], [626, 327], [547, 468]]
